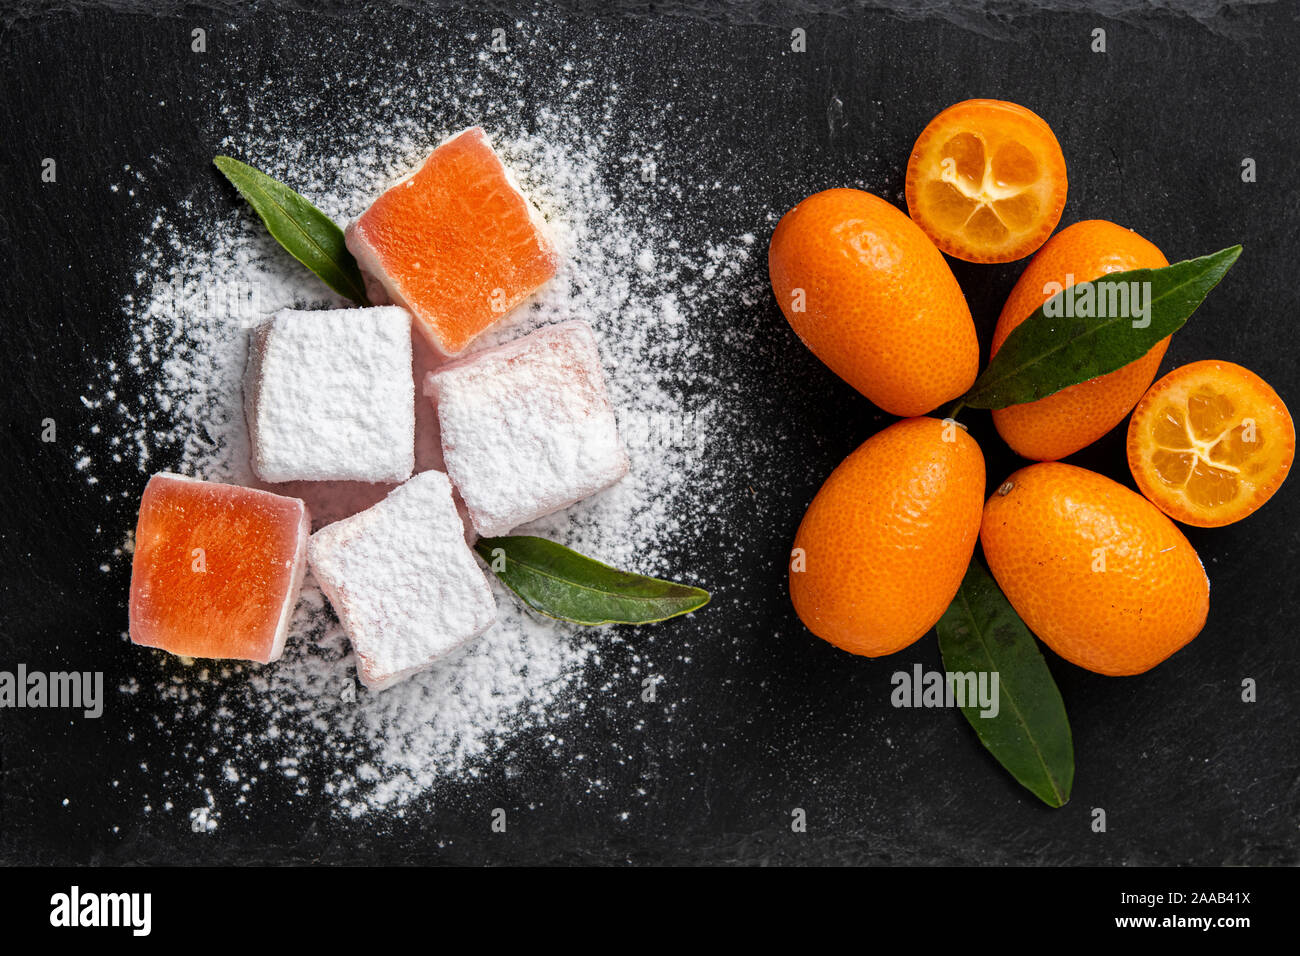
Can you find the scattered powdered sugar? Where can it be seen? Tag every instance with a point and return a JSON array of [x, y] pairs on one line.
[[207, 273]]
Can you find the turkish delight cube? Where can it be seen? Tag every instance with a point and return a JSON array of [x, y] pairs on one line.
[[329, 396], [402, 580], [455, 242], [527, 427], [217, 568]]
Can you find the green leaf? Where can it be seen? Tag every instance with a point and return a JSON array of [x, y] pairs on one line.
[[1051, 350], [563, 584], [306, 233], [1030, 735]]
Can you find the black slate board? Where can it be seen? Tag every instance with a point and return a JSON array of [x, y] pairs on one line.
[[768, 718]]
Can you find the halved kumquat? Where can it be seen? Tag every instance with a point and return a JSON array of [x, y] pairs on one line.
[[986, 181], [1210, 443]]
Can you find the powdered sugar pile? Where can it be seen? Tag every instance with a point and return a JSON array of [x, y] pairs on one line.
[[208, 272]]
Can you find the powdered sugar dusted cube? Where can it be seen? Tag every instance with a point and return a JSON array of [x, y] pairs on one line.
[[329, 396], [403, 581], [527, 427]]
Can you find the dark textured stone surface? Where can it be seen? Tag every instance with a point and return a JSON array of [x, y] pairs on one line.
[[769, 718]]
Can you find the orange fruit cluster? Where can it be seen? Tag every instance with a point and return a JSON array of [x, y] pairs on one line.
[[1099, 573]]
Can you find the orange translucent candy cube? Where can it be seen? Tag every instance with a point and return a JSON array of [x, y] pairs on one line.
[[455, 243], [217, 568]]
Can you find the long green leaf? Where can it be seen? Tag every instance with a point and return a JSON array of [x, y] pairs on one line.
[[1054, 349], [306, 233], [1030, 735], [563, 584]]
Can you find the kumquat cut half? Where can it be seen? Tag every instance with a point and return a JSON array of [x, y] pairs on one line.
[[1210, 443], [986, 181]]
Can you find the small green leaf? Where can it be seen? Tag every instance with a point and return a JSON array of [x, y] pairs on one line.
[[1050, 351], [1030, 735], [563, 584], [306, 233]]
